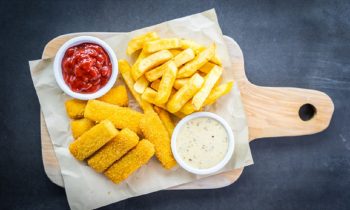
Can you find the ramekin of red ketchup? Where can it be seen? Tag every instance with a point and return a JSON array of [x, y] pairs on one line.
[[85, 67]]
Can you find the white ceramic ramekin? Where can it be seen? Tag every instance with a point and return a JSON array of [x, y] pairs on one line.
[[57, 67], [222, 163]]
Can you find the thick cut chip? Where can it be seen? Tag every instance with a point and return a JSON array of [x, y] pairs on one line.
[[216, 93], [150, 62], [215, 59], [150, 95], [155, 84], [141, 84], [166, 84], [185, 93], [166, 119], [183, 57], [161, 44], [137, 42], [180, 82], [80, 126], [92, 140], [180, 59], [191, 67], [125, 71], [75, 108], [209, 81], [125, 140], [186, 43], [117, 96], [207, 67], [175, 52], [154, 130], [132, 161]]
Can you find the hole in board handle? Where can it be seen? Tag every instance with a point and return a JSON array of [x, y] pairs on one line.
[[307, 112]]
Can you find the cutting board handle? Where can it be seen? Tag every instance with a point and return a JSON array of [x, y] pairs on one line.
[[273, 112]]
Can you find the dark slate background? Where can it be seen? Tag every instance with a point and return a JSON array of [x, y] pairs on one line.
[[285, 43]]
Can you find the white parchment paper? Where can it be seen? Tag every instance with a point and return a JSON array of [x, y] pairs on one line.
[[87, 189]]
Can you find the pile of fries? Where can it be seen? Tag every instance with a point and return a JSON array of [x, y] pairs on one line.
[[176, 75]]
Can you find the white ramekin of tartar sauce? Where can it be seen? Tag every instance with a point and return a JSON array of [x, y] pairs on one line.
[[202, 143]]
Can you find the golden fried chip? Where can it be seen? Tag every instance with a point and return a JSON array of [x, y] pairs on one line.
[[191, 67], [185, 93], [137, 42], [209, 81], [141, 84], [149, 95], [161, 44], [155, 84], [125, 71], [180, 82], [166, 83], [186, 43], [206, 67], [166, 119], [150, 62]]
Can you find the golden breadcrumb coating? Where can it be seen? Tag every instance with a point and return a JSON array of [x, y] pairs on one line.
[[75, 108], [80, 126], [92, 140], [117, 96], [113, 150], [154, 130], [132, 161]]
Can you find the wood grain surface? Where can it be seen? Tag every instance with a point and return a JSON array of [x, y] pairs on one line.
[[270, 112]]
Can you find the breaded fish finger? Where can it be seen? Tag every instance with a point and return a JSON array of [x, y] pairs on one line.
[[113, 150], [117, 96], [75, 108], [80, 126], [92, 140], [132, 161], [154, 130], [121, 117]]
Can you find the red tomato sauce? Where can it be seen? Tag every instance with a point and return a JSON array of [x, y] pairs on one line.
[[86, 68]]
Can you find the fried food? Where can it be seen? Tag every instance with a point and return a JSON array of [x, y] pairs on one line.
[[98, 110], [150, 62], [132, 161], [125, 71], [121, 117], [166, 83], [75, 108], [125, 117], [117, 96], [216, 93], [206, 67], [161, 44], [141, 84], [166, 120], [209, 81], [180, 82], [186, 43], [179, 60], [125, 140], [155, 84], [191, 67], [149, 95], [80, 126], [137, 42], [154, 130], [185, 93], [92, 140]]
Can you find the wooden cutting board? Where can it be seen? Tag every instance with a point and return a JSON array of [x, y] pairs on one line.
[[270, 112]]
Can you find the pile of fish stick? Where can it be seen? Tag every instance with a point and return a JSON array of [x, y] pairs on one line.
[[116, 140]]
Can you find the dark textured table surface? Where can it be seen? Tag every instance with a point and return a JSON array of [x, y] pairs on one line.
[[285, 43]]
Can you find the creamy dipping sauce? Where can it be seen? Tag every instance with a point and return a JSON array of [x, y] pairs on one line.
[[202, 142]]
